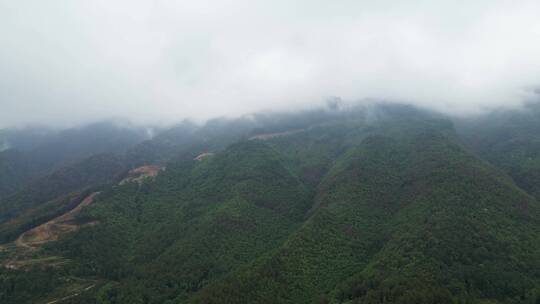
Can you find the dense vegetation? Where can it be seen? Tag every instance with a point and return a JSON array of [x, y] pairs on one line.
[[402, 219], [47, 196], [386, 204], [27, 155], [511, 141]]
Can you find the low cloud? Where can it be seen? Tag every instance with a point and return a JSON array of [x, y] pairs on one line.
[[64, 63]]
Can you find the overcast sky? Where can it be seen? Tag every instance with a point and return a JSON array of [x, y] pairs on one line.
[[66, 62]]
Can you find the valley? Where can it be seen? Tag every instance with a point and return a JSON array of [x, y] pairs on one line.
[[398, 208]]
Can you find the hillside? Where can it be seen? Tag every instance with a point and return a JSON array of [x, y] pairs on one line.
[[34, 153], [404, 217], [511, 141], [379, 204]]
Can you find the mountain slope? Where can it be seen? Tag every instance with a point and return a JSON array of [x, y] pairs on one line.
[[405, 218], [375, 205], [195, 223], [511, 141], [35, 153]]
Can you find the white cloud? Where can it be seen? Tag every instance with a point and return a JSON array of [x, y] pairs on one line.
[[68, 62]]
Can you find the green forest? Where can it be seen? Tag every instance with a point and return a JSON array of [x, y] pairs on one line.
[[390, 204]]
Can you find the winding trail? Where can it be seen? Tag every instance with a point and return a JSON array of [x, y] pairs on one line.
[[51, 230], [72, 295]]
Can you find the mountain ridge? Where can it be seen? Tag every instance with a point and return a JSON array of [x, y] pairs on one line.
[[390, 207]]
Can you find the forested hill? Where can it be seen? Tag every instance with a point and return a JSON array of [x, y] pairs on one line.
[[379, 204], [28, 154], [510, 140]]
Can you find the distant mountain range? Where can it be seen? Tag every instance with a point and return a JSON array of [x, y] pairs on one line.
[[385, 203]]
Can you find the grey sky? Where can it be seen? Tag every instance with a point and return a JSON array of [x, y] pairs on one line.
[[64, 62]]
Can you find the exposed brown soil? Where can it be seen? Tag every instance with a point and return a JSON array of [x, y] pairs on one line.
[[53, 229], [277, 134], [141, 173]]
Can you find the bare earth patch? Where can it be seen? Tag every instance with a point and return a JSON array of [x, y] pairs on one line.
[[139, 174], [203, 156], [53, 229], [277, 134]]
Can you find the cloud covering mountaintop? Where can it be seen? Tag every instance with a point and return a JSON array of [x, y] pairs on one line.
[[65, 63]]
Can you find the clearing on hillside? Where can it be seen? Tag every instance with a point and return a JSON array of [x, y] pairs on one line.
[[139, 174], [53, 229]]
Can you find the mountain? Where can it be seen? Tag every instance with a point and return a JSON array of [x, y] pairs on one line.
[[371, 204], [407, 216], [510, 140], [30, 154]]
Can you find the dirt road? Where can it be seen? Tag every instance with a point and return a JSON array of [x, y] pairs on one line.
[[53, 229]]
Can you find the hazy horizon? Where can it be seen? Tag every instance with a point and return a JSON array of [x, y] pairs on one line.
[[66, 64]]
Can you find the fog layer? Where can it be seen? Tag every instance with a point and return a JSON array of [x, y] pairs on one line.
[[160, 61]]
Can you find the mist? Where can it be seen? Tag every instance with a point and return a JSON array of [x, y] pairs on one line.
[[65, 63]]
